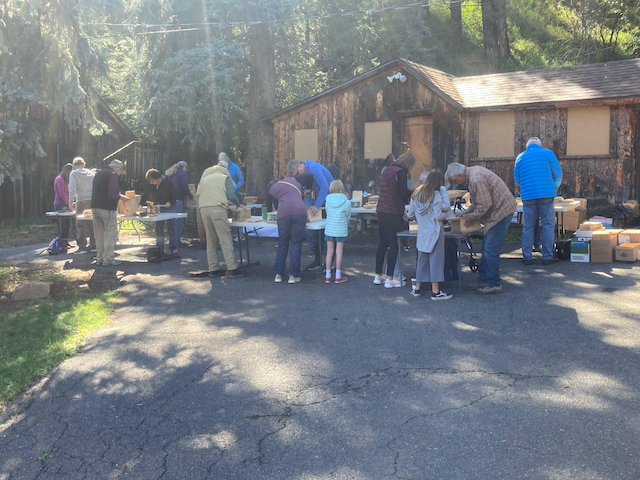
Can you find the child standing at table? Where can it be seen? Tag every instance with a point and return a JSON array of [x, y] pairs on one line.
[[430, 210], [338, 208]]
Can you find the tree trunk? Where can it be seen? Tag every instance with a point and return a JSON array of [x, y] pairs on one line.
[[490, 33], [262, 102], [456, 21], [503, 34]]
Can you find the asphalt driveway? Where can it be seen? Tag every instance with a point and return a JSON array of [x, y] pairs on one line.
[[247, 379]]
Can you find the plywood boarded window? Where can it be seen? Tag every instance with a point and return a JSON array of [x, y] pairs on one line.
[[588, 131], [496, 135], [307, 144], [377, 139]]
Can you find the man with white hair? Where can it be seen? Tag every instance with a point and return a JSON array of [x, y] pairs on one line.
[[80, 189], [539, 174], [104, 204], [234, 171], [493, 204], [215, 190]]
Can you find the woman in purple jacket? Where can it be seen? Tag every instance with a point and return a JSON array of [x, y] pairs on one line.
[[61, 198], [292, 220]]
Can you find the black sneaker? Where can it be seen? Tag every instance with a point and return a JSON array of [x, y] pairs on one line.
[[216, 273], [527, 262], [550, 261], [440, 296], [415, 293], [315, 265], [237, 273]]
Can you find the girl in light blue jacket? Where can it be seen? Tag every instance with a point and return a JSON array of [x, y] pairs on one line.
[[338, 209]]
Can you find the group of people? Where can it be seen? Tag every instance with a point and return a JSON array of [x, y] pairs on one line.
[[310, 186]]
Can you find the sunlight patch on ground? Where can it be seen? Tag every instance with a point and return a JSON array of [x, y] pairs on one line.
[[222, 440], [464, 326]]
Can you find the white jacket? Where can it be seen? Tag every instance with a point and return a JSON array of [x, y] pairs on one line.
[[80, 185], [429, 217]]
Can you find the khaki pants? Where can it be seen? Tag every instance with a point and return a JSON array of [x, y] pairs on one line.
[[84, 228], [218, 229], [201, 232], [105, 229]]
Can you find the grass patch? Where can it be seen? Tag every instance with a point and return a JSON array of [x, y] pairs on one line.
[[37, 335]]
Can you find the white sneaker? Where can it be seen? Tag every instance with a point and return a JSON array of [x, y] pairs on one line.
[[278, 279], [395, 283], [379, 279], [294, 279]]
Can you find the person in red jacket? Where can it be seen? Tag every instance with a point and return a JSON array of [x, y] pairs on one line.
[[394, 195]]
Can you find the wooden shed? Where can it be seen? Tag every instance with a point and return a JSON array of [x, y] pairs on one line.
[[33, 195], [587, 114]]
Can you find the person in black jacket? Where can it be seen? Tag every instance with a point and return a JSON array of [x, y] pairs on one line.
[[163, 192]]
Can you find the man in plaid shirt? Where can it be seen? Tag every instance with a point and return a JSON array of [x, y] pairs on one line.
[[493, 204]]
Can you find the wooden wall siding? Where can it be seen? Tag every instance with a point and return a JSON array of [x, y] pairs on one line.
[[340, 120], [612, 177]]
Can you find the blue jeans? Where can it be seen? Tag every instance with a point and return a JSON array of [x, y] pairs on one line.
[[173, 227], [542, 207], [489, 266], [290, 230]]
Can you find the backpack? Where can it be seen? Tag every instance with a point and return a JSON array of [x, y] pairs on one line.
[[57, 246]]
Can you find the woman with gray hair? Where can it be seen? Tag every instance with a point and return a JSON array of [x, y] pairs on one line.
[[394, 195]]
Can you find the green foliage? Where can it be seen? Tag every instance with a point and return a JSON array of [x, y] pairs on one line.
[[46, 69]]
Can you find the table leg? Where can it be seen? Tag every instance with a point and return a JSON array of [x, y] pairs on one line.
[[240, 246], [399, 258], [246, 241], [459, 257]]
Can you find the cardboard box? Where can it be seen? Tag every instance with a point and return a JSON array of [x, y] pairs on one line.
[[628, 252], [129, 207], [583, 203], [357, 195], [240, 214], [250, 200], [457, 225], [591, 226], [580, 251], [616, 232], [603, 247], [631, 204], [606, 222], [313, 217], [571, 220], [629, 236]]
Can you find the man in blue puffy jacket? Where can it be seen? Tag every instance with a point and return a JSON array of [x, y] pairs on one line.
[[538, 173], [322, 178], [234, 171]]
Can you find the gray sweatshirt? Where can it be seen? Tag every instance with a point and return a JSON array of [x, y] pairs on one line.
[[80, 185]]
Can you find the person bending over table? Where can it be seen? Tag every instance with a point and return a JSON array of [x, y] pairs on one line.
[[322, 178], [215, 190], [430, 210], [292, 219], [178, 175], [164, 193], [493, 204]]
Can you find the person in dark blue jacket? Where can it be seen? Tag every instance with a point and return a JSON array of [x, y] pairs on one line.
[[538, 173], [322, 178]]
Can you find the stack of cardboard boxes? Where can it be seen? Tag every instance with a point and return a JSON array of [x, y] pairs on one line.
[[573, 219], [593, 243]]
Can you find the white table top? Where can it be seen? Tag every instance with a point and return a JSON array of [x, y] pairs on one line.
[[253, 205], [319, 225], [60, 214], [559, 208], [158, 218]]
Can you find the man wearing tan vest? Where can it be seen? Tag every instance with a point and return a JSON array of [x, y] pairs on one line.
[[215, 190]]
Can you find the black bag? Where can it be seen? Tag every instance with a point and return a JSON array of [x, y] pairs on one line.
[[154, 254], [563, 250]]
